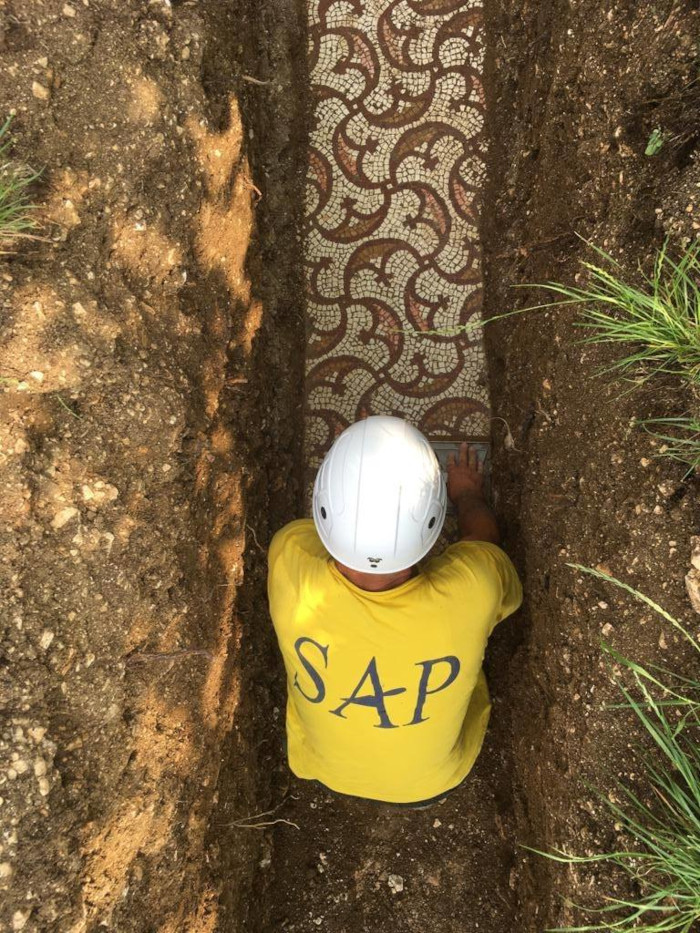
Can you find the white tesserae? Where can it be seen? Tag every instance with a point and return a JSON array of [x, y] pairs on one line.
[[379, 498]]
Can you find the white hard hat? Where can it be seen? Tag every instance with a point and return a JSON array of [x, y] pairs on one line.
[[379, 497]]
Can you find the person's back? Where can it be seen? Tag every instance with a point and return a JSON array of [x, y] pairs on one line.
[[386, 694]]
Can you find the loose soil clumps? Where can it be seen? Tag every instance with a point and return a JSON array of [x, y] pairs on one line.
[[149, 444], [575, 92]]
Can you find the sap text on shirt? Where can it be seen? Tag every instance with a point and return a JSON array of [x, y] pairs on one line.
[[434, 675]]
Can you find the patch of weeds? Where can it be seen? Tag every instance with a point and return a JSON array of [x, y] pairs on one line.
[[17, 212], [661, 318], [662, 860], [683, 444], [658, 321]]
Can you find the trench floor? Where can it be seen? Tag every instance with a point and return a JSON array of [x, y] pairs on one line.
[[354, 866], [395, 175]]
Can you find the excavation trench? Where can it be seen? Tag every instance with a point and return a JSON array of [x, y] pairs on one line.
[[395, 174], [176, 275], [176, 358], [559, 84]]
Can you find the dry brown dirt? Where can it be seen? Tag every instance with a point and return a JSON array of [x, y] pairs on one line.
[[576, 89], [146, 453]]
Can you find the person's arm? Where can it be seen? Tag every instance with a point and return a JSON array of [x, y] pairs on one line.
[[465, 487]]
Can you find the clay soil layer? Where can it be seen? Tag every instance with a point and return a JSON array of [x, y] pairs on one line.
[[151, 371]]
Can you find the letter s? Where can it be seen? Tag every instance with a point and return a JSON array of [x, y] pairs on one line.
[[311, 670]]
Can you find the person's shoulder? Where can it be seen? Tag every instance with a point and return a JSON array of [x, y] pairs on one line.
[[291, 530], [292, 533], [481, 568], [474, 558], [467, 548], [299, 535]]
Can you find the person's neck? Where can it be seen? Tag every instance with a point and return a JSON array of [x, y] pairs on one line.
[[376, 582]]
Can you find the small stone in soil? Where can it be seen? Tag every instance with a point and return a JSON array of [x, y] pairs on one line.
[[63, 517], [692, 585], [695, 552]]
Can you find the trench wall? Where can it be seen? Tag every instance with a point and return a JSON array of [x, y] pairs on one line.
[[574, 91], [148, 445]]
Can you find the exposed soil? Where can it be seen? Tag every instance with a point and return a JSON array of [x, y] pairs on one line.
[[151, 353], [146, 453], [575, 92]]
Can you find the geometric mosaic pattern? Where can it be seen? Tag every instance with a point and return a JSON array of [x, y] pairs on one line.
[[393, 193]]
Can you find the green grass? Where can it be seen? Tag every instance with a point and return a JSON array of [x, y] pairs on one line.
[[683, 444], [661, 822], [659, 320], [17, 213], [655, 324]]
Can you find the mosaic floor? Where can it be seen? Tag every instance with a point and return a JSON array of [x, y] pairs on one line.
[[393, 188]]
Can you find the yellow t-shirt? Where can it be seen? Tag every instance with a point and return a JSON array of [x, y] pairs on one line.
[[386, 695]]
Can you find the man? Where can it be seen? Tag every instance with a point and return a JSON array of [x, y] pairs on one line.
[[386, 694]]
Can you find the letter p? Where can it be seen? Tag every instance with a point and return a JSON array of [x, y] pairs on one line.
[[423, 687]]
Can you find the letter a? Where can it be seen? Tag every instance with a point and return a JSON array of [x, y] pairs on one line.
[[375, 699]]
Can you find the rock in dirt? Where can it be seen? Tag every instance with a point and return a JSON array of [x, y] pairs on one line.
[[39, 91], [692, 585], [695, 551], [63, 517], [19, 919]]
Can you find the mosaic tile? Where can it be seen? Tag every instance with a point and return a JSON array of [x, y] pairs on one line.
[[396, 168]]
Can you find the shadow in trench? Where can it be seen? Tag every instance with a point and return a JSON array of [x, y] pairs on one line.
[[263, 413]]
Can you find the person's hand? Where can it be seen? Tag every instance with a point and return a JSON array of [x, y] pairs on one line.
[[465, 475]]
